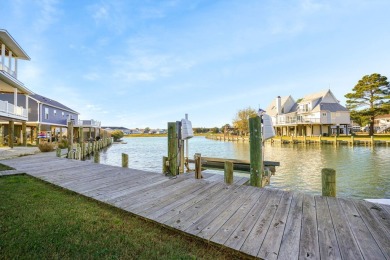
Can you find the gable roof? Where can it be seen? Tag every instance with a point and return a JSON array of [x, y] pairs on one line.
[[11, 44], [271, 109], [314, 96], [52, 103], [332, 107]]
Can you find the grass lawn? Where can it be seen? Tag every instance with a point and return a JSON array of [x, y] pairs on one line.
[[41, 221]]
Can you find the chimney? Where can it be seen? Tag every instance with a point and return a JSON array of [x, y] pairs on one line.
[[278, 105]]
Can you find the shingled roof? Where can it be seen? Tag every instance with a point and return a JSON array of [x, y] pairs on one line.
[[51, 102]]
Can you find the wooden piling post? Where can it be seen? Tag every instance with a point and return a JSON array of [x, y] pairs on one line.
[[173, 148], [11, 129], [256, 156], [24, 131], [198, 166], [165, 165], [96, 157], [328, 182], [58, 152], [125, 160], [181, 169], [228, 172]]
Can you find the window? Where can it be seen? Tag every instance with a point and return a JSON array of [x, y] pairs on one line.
[[55, 112], [63, 114], [46, 113], [323, 114]]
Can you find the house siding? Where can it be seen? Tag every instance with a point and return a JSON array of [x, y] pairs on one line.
[[56, 118]]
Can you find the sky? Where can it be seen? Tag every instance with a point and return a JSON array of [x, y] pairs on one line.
[[140, 64]]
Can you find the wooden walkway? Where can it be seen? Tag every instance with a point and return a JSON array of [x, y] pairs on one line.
[[265, 223]]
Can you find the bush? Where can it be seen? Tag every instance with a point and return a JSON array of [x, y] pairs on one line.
[[63, 144], [117, 135], [46, 147]]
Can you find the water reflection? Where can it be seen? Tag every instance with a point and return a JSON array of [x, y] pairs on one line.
[[362, 172]]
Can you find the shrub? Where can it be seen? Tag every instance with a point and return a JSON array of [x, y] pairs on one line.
[[63, 144], [46, 147], [117, 134]]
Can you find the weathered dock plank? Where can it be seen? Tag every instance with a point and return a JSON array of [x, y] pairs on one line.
[[289, 247], [308, 247], [327, 240], [348, 246], [367, 244]]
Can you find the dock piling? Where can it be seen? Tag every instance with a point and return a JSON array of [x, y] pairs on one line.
[[328, 182], [228, 172], [256, 158], [125, 160]]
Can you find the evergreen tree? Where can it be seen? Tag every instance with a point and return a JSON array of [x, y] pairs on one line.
[[370, 97]]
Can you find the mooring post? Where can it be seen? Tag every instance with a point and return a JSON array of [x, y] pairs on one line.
[[58, 152], [172, 148], [96, 157], [228, 172], [125, 160], [328, 182], [198, 166], [256, 156]]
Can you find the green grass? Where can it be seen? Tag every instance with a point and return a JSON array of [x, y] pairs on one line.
[[41, 221], [5, 167]]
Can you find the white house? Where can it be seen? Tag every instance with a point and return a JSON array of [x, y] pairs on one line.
[[11, 112], [315, 114]]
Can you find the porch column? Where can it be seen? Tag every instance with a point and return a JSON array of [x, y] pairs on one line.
[[24, 133], [27, 105], [15, 99], [60, 135], [2, 54], [16, 68], [38, 132], [9, 61], [295, 131], [11, 128]]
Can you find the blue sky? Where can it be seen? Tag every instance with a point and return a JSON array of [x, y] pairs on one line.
[[145, 63]]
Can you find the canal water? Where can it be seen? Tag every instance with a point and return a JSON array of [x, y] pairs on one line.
[[362, 172]]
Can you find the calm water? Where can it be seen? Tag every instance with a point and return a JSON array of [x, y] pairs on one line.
[[362, 172]]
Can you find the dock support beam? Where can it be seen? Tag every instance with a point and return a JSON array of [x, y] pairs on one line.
[[256, 155], [173, 149]]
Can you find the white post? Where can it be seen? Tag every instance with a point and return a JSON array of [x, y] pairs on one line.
[[27, 105], [2, 55], [9, 61], [15, 100], [16, 68]]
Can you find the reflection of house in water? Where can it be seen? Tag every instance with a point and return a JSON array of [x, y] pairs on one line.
[[11, 110], [315, 114]]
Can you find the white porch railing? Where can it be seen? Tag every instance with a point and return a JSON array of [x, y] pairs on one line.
[[13, 111], [8, 70], [296, 120], [90, 123]]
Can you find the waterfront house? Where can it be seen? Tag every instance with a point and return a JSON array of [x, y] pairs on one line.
[[315, 114], [382, 123], [11, 110]]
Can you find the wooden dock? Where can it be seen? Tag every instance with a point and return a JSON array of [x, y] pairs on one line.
[[265, 223]]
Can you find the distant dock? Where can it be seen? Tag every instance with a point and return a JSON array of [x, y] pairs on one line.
[[265, 223]]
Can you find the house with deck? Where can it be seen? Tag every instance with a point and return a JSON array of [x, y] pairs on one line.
[[382, 123], [12, 111], [313, 115]]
